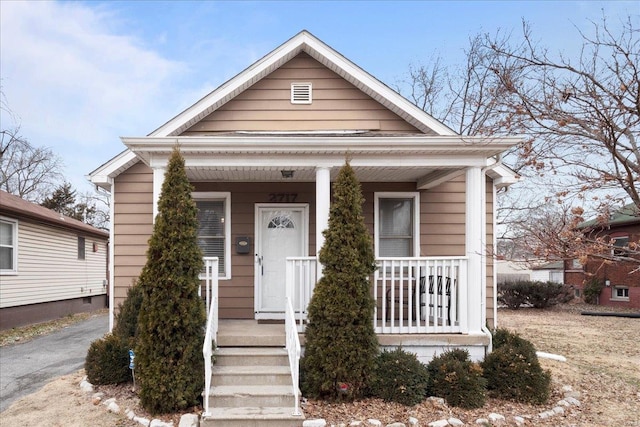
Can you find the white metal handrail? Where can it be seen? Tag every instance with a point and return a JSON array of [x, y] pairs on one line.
[[294, 351], [211, 331]]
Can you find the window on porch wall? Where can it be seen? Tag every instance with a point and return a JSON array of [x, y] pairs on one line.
[[211, 230], [396, 228]]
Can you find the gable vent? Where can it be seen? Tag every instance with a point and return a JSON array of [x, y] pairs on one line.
[[301, 93]]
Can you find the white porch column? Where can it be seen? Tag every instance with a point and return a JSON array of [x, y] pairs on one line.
[[158, 179], [474, 219], [323, 203]]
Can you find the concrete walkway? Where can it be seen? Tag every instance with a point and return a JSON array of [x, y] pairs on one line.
[[25, 368]]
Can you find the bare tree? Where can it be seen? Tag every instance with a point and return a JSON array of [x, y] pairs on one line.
[[25, 170], [100, 201], [559, 232], [582, 114]]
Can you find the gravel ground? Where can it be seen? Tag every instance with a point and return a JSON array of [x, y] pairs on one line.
[[603, 365]]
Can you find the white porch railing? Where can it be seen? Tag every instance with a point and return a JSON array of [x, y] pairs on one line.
[[420, 295], [211, 332], [302, 275], [423, 295]]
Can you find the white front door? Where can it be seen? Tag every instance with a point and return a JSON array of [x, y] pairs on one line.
[[281, 232]]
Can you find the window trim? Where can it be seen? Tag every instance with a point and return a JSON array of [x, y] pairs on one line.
[[82, 253], [615, 297], [226, 197], [305, 86], [14, 230], [416, 217]]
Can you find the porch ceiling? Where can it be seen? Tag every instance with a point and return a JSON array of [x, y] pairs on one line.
[[305, 174]]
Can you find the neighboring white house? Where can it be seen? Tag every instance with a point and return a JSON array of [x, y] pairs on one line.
[[512, 270], [550, 272], [50, 265]]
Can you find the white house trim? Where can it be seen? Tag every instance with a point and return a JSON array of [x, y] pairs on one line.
[[112, 234], [473, 245], [323, 204], [158, 180], [416, 217], [14, 238], [226, 196], [103, 175]]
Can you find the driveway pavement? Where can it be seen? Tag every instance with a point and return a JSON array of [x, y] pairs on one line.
[[25, 368]]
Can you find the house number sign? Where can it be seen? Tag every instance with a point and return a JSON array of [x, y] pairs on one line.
[[283, 197]]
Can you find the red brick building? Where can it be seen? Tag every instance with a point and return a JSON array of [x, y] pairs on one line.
[[622, 283]]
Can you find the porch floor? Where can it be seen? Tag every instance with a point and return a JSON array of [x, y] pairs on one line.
[[250, 333]]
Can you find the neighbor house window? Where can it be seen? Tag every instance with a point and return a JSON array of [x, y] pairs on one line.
[[619, 245], [214, 228], [576, 264], [81, 247], [8, 246], [620, 293], [397, 224]]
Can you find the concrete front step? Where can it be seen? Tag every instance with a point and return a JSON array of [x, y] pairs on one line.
[[251, 375], [250, 395], [248, 356], [252, 417], [246, 333]]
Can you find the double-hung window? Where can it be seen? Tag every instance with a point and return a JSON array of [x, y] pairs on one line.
[[8, 246], [397, 224], [214, 228]]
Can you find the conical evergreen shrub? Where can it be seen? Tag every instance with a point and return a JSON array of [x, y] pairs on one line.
[[169, 362], [341, 345]]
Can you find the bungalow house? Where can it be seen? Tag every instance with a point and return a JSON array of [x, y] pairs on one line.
[[621, 278], [50, 265], [262, 150]]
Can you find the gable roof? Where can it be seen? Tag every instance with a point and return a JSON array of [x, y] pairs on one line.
[[304, 41], [20, 208]]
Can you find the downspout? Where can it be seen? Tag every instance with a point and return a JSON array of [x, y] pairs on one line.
[[483, 267], [111, 254]]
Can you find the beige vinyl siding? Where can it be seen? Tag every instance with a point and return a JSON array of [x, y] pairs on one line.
[[442, 217], [337, 105], [237, 294], [133, 225], [442, 230], [49, 268]]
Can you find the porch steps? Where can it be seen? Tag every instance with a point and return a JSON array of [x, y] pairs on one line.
[[251, 382]]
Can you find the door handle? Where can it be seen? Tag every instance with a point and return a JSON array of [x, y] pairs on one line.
[[259, 260]]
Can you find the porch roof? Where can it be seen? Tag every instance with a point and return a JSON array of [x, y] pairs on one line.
[[261, 157]]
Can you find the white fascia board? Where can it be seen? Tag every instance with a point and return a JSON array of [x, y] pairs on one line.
[[305, 143], [502, 175], [103, 175]]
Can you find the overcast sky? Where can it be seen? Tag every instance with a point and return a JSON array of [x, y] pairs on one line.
[[79, 75]]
